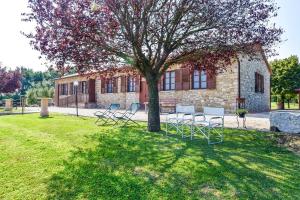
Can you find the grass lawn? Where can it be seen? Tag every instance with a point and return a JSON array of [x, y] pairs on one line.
[[65, 157], [293, 106]]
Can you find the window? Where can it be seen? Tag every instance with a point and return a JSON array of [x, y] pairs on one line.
[[84, 87], [259, 83], [169, 83], [131, 84], [64, 89], [199, 79], [109, 86]]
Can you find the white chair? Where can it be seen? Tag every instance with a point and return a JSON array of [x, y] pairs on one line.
[[183, 116], [208, 123]]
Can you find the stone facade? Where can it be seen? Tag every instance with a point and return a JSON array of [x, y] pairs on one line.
[[255, 102], [224, 95]]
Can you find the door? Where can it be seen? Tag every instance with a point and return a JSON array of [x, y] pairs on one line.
[[92, 91], [143, 93]]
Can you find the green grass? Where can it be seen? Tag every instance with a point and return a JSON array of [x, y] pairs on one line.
[[66, 157], [293, 106]]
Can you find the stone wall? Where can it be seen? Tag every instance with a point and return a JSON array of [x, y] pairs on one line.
[[255, 102], [223, 96], [124, 99]]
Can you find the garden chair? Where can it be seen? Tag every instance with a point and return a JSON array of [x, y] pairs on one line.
[[209, 123], [178, 120], [108, 114], [126, 117]]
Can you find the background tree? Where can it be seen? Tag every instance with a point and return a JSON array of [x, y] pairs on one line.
[[10, 80], [285, 78], [31, 78], [150, 35], [39, 90]]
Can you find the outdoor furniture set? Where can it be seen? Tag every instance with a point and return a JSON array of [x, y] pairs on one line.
[[117, 117], [210, 123]]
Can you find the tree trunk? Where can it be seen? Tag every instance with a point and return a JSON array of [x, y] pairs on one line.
[[282, 100], [153, 110], [288, 103]]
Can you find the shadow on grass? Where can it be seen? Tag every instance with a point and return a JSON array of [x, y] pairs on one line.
[[128, 163]]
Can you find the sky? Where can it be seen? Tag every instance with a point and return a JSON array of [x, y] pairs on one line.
[[15, 49]]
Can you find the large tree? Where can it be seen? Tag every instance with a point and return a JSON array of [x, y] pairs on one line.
[[10, 80], [150, 35], [285, 78]]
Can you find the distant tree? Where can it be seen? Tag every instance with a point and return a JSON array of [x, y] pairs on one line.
[[149, 35], [285, 78], [39, 90], [10, 80], [30, 78]]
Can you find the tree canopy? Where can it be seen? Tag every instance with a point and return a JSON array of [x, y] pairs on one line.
[[285, 76], [10, 80], [149, 35]]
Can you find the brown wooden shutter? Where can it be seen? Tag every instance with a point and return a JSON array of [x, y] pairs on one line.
[[161, 83], [123, 84], [103, 85], [185, 78], [92, 90], [211, 79], [115, 84], [178, 79], [256, 82], [263, 84], [137, 83]]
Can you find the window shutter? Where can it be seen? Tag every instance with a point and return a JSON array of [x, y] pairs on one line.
[[211, 79], [115, 85], [256, 82], [178, 79], [103, 85], [123, 84], [137, 83], [185, 78], [160, 84], [263, 84]]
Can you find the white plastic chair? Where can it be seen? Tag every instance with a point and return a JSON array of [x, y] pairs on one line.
[[183, 115], [208, 123]]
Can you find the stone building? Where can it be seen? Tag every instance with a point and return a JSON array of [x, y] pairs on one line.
[[246, 81]]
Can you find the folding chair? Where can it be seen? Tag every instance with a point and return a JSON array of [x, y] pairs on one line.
[[108, 114], [180, 119], [211, 122], [126, 117]]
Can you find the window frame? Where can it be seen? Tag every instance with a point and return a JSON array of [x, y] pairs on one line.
[[109, 86], [169, 81], [202, 84], [84, 87], [131, 84], [64, 89], [259, 83]]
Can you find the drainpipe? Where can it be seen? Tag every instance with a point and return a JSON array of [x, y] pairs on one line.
[[239, 80]]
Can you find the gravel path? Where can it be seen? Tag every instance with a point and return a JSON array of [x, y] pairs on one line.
[[259, 121]]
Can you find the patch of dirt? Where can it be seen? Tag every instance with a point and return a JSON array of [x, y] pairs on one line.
[[292, 142]]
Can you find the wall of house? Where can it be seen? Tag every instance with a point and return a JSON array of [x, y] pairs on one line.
[[122, 98], [255, 102], [224, 95], [82, 98]]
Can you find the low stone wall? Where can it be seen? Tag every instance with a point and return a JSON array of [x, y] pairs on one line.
[[285, 121]]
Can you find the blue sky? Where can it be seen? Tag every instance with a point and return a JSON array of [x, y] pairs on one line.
[[289, 20], [16, 51]]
